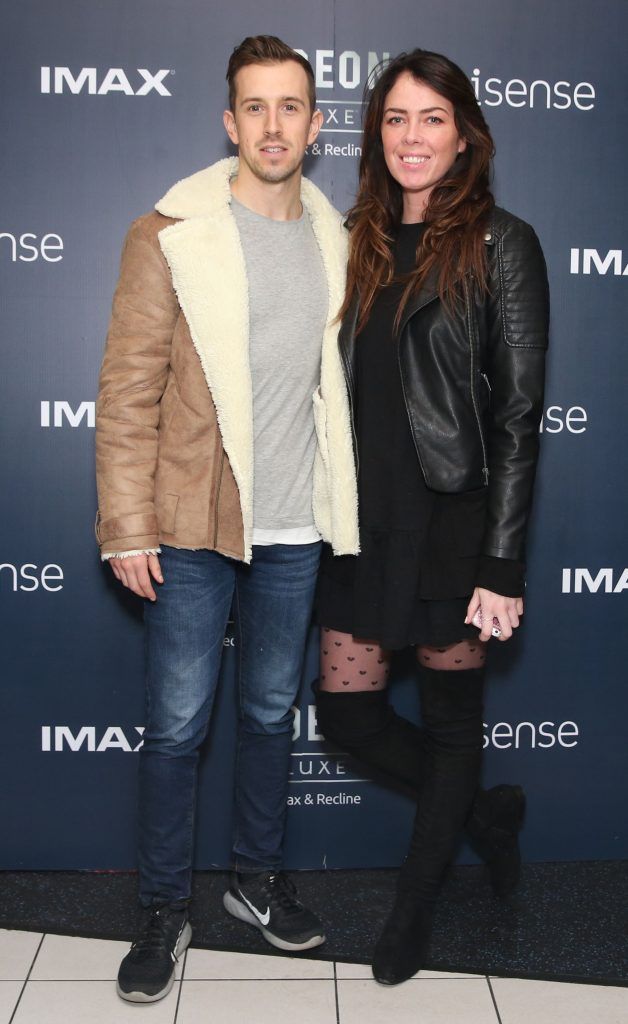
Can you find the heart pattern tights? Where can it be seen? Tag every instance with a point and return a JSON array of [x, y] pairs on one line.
[[351, 664]]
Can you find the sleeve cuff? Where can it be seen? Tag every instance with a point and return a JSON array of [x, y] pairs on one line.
[[503, 576], [128, 554]]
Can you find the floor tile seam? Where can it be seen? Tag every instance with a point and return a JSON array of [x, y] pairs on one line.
[[181, 979], [249, 978], [290, 981], [92, 981], [336, 1000], [490, 988], [427, 981], [563, 979], [26, 980]]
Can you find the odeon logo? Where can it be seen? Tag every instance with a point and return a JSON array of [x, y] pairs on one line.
[[588, 261], [29, 577], [345, 71], [346, 68], [62, 414], [606, 581], [93, 82], [28, 247]]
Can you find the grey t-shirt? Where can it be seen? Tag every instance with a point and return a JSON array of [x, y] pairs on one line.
[[288, 304]]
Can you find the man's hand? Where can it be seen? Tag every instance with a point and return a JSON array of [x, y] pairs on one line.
[[135, 572], [506, 609]]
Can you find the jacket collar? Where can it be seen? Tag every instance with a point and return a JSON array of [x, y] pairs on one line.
[[204, 253], [208, 193], [346, 338], [426, 294]]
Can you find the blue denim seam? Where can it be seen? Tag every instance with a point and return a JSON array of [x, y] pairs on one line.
[[238, 619]]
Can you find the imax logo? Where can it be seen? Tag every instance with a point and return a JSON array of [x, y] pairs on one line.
[[61, 737], [60, 80], [63, 413], [592, 258], [576, 580]]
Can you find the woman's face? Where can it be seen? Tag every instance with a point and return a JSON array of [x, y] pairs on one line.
[[420, 141]]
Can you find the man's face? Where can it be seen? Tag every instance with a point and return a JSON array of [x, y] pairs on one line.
[[272, 122]]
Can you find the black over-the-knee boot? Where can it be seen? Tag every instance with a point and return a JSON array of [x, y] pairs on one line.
[[451, 707], [363, 723]]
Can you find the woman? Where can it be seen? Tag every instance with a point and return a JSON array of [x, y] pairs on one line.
[[443, 343]]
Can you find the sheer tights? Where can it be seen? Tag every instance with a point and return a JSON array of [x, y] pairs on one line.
[[349, 664]]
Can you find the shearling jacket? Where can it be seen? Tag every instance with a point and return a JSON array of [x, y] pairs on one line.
[[174, 416], [473, 383]]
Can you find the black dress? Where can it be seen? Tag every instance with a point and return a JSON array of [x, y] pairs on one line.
[[418, 562]]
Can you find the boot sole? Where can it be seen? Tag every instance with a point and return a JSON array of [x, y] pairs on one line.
[[144, 997], [237, 909]]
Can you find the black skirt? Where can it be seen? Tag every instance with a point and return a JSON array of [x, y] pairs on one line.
[[416, 570], [401, 590]]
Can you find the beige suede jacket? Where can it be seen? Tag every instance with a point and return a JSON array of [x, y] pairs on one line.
[[174, 419]]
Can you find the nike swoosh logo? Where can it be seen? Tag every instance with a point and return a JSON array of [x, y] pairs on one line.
[[262, 918]]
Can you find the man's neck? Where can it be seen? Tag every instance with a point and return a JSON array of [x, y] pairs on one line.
[[278, 200]]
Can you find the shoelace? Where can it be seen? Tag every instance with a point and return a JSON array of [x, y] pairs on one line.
[[153, 939], [284, 891]]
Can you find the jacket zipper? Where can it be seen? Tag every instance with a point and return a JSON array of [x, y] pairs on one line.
[[222, 462], [405, 401], [473, 394], [406, 320]]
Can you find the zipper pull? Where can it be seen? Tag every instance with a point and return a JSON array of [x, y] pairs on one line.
[[485, 475]]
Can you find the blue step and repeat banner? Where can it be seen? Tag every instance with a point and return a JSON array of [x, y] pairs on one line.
[[103, 105]]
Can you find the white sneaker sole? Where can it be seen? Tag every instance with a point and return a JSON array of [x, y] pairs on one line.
[[143, 997], [237, 909]]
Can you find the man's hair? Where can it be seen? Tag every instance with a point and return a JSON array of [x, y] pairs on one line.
[[266, 50]]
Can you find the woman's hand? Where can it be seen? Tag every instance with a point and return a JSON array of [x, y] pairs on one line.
[[506, 609]]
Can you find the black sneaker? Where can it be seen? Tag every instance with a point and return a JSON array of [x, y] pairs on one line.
[[269, 901], [147, 971]]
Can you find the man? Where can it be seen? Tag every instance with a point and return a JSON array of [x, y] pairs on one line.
[[224, 454]]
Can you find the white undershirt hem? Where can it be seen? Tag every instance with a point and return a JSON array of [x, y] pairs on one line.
[[291, 535]]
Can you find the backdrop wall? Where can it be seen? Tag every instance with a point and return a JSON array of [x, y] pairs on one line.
[[103, 105]]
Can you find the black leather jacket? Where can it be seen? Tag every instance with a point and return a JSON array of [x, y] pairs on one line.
[[473, 381]]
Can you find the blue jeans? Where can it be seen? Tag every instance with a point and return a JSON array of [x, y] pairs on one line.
[[185, 628]]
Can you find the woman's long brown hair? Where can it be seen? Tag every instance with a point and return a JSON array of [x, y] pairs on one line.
[[457, 211]]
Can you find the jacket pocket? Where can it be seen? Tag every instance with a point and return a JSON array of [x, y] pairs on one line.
[[320, 424], [166, 509]]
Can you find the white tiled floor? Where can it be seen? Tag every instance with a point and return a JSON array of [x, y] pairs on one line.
[[57, 980]]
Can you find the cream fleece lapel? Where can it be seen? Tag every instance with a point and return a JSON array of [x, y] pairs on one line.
[[208, 270], [336, 501]]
